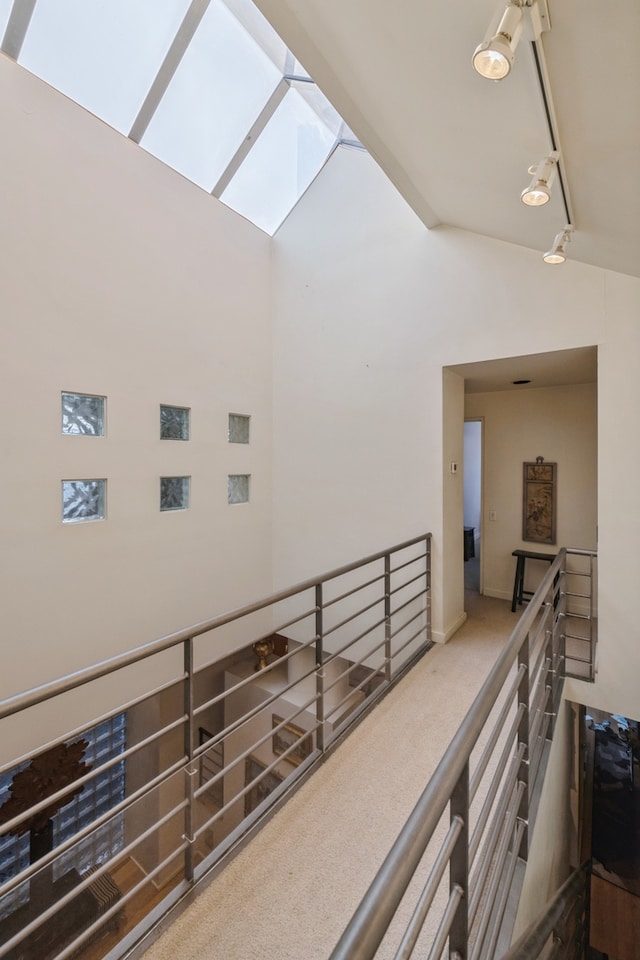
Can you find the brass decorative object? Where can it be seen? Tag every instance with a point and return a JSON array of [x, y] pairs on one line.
[[262, 649]]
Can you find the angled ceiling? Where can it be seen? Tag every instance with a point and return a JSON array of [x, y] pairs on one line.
[[457, 146], [558, 368]]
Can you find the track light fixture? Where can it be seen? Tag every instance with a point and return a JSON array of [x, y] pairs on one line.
[[539, 190], [493, 58], [558, 253]]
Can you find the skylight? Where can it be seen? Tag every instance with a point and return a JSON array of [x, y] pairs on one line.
[[206, 86]]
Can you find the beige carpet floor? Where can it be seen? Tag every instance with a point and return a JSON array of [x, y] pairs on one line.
[[289, 894]]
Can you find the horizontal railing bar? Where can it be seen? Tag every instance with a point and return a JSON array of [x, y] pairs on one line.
[[537, 713], [407, 583], [509, 791], [330, 712], [498, 859], [9, 825], [83, 884], [124, 899], [539, 638], [349, 669], [444, 928], [370, 921], [305, 615], [407, 563], [403, 626], [352, 617], [541, 691], [538, 750], [84, 832], [250, 714], [529, 945], [51, 689], [408, 642], [505, 887], [350, 593], [407, 603], [508, 705], [122, 708], [351, 643], [494, 786], [241, 684], [257, 743], [429, 891]]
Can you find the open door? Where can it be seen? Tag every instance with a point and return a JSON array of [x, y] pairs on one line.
[[473, 504]]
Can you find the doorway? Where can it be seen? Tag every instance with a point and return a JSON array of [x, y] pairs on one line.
[[472, 511]]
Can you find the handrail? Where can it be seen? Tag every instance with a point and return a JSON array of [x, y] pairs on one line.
[[369, 924], [529, 945], [266, 751], [51, 689]]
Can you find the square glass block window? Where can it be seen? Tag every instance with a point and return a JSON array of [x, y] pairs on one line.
[[82, 415], [238, 488], [174, 423], [174, 493], [238, 428], [83, 500]]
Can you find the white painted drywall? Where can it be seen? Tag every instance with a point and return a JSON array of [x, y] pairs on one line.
[[550, 840], [121, 278], [369, 307], [560, 424]]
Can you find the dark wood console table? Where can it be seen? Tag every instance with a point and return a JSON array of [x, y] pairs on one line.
[[519, 593]]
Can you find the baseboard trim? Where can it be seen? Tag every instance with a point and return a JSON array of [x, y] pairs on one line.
[[439, 636], [498, 594]]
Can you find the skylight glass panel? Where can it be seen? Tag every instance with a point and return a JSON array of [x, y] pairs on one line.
[[285, 159], [104, 54], [5, 10], [223, 82], [246, 12]]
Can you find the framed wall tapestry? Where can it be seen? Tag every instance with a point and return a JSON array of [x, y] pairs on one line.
[[539, 501]]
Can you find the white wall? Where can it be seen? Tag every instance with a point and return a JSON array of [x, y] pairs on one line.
[[551, 837], [121, 278], [560, 424], [369, 307]]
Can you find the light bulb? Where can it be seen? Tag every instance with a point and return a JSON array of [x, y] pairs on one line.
[[535, 195]]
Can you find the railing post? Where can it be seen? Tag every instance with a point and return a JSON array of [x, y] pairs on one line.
[[320, 731], [387, 617], [459, 867], [523, 740], [427, 548], [552, 656], [190, 784]]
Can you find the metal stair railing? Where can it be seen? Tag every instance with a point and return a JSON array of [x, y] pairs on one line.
[[215, 742], [560, 930], [469, 831]]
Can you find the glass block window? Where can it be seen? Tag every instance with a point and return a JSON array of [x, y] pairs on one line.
[[238, 488], [82, 415], [174, 423], [238, 428], [100, 794], [174, 493], [83, 500]]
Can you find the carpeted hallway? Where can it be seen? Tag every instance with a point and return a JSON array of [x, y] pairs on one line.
[[289, 894]]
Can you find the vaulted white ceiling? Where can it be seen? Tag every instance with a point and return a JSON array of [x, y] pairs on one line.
[[458, 146]]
